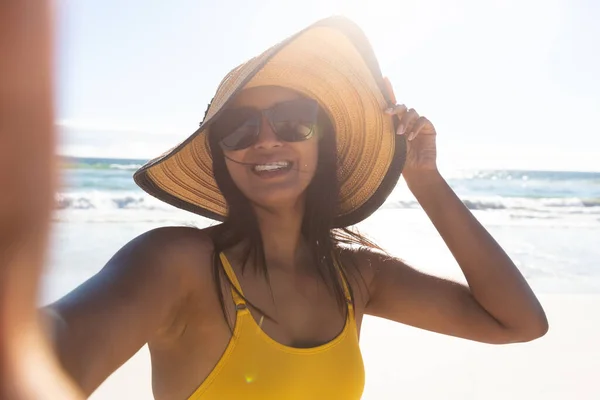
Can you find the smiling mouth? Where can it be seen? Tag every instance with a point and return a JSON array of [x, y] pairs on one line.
[[272, 168]]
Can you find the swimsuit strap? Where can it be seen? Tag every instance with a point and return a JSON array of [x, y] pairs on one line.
[[238, 300], [345, 285]]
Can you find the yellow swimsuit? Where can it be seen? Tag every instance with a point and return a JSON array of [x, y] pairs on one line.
[[254, 366]]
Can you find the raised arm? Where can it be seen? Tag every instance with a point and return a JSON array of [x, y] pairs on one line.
[[497, 306]]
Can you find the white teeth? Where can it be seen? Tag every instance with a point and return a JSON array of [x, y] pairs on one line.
[[273, 166]]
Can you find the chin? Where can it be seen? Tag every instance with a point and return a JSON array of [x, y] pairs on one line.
[[277, 199]]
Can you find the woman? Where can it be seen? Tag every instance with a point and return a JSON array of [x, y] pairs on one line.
[[299, 141]]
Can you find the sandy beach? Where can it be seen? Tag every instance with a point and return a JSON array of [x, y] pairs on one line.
[[406, 363]]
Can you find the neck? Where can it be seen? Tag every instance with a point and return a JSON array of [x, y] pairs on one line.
[[282, 238]]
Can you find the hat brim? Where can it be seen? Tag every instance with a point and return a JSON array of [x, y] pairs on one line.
[[330, 61]]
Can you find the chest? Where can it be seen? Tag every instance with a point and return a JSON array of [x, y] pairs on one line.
[[297, 312], [259, 362]]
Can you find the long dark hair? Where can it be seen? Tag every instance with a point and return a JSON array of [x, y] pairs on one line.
[[324, 242]]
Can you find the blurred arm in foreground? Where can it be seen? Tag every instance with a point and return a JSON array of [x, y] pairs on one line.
[[28, 368]]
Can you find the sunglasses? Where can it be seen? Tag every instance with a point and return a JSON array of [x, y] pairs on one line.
[[291, 121]]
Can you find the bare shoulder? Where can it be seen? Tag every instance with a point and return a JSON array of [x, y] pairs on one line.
[[175, 238], [161, 264], [362, 265], [174, 254], [173, 246], [177, 259], [134, 299], [367, 261]]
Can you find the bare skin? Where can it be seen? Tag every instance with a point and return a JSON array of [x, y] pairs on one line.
[[158, 289], [26, 190]]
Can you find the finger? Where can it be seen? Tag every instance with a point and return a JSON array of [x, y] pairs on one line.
[[398, 109], [417, 127], [408, 120]]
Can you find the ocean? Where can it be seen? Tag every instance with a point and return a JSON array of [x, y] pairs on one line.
[[104, 187], [548, 222]]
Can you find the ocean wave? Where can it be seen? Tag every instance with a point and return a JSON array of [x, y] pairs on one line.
[[525, 175], [531, 207], [99, 200], [100, 164], [542, 205], [127, 167], [104, 166]]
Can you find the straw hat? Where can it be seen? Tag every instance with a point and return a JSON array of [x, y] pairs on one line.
[[330, 61]]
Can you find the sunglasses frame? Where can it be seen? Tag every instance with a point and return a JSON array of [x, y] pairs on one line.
[[268, 113]]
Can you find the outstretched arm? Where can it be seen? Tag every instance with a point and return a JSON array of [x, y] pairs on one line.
[[27, 367]]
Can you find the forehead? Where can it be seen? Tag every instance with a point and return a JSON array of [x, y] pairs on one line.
[[263, 97]]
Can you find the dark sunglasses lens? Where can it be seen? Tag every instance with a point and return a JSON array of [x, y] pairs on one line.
[[237, 129], [293, 131], [295, 121]]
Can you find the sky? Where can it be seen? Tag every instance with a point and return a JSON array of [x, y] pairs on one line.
[[508, 84]]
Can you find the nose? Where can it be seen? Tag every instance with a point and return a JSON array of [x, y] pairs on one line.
[[266, 137]]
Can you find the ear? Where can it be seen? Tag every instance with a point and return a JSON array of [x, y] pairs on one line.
[[389, 90]]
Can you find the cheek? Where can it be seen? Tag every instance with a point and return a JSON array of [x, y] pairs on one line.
[[310, 157], [236, 171]]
